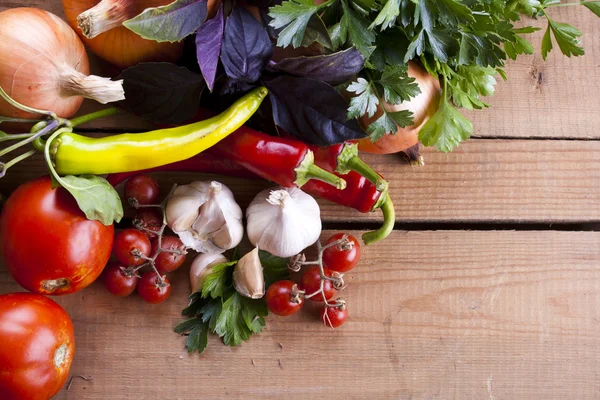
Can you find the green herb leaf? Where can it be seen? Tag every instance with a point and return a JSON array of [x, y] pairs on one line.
[[231, 323], [593, 6], [403, 118], [468, 83], [446, 128], [188, 325], [197, 339], [274, 268], [218, 281], [295, 16], [546, 43], [195, 305], [365, 101], [357, 28], [381, 126], [95, 197], [387, 16], [210, 312], [170, 23], [567, 38], [397, 85]]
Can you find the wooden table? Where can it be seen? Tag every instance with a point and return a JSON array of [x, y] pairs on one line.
[[489, 288]]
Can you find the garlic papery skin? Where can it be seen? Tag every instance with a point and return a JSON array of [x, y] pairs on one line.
[[248, 278], [206, 217], [202, 267], [283, 221]]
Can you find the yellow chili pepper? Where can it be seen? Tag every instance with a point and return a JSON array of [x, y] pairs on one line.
[[75, 154]]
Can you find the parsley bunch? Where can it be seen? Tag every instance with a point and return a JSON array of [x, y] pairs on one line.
[[219, 309], [463, 43]]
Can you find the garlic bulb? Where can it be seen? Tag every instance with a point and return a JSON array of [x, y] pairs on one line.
[[283, 221], [205, 216], [202, 267], [248, 278]]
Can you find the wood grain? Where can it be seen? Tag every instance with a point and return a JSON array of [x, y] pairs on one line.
[[483, 180], [458, 315], [556, 98]]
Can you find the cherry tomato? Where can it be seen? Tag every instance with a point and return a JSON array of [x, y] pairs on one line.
[[120, 280], [142, 189], [281, 299], [152, 290], [48, 244], [165, 261], [36, 347], [311, 283], [128, 242], [344, 256], [150, 219], [335, 316]]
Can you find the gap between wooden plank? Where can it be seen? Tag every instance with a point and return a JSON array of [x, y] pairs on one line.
[[587, 226]]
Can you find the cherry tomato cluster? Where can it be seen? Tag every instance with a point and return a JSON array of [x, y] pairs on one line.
[[145, 246], [320, 282]]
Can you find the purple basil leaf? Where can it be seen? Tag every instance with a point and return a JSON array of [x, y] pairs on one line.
[[333, 68], [209, 40], [246, 46], [311, 110], [162, 93]]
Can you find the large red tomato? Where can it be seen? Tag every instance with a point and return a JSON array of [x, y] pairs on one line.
[[36, 347], [48, 245]]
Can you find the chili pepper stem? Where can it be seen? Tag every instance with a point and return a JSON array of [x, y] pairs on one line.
[[348, 160], [107, 112], [308, 170], [389, 218]]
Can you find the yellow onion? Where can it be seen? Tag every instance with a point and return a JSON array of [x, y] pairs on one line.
[[422, 106], [99, 24], [44, 65]]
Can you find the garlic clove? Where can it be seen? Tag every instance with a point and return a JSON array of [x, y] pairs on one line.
[[284, 221], [202, 267], [248, 278], [183, 206]]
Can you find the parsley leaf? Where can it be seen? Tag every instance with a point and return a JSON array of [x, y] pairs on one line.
[[274, 268], [546, 43], [387, 16], [446, 128], [388, 123], [231, 323], [468, 83], [366, 100], [397, 85], [218, 281], [197, 339], [567, 38], [593, 6], [356, 28], [295, 16]]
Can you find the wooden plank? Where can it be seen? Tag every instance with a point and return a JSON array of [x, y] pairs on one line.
[[484, 180], [555, 98], [433, 315]]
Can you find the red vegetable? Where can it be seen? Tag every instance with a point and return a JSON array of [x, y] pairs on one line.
[[152, 290], [130, 245], [48, 244], [36, 347], [203, 162], [119, 281], [284, 161], [343, 256]]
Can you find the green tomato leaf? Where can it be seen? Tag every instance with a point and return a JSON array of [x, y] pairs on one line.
[[593, 6], [446, 128], [95, 197], [387, 16], [170, 23], [217, 282], [365, 101]]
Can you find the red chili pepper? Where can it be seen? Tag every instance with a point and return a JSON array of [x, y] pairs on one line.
[[286, 162], [204, 162], [343, 158]]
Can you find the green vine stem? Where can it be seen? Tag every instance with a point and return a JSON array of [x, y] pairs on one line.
[[5, 167], [25, 108], [83, 119]]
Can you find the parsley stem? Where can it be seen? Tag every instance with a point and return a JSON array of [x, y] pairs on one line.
[[564, 4]]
